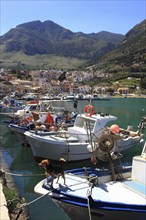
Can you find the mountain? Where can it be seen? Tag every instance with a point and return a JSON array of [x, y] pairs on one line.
[[48, 39], [46, 44], [129, 56]]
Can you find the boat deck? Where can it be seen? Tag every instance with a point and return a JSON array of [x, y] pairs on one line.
[[108, 192], [137, 187]]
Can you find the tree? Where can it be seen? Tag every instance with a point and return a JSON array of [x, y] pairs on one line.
[[143, 83]]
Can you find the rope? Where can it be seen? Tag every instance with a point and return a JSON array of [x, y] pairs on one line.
[[29, 203], [42, 196], [26, 204], [89, 209], [23, 175], [42, 174], [35, 200]]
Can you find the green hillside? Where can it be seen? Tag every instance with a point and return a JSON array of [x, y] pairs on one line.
[[30, 44], [128, 57]]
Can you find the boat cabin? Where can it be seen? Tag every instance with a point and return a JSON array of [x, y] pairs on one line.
[[27, 110], [86, 125]]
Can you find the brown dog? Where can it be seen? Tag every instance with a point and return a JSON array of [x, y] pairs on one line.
[[53, 170]]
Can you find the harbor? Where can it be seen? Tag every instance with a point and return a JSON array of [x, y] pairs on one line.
[[73, 110], [19, 163]]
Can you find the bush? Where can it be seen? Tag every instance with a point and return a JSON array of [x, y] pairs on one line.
[[11, 195]]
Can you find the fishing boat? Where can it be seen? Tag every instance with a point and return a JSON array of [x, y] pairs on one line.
[[29, 96], [19, 130], [80, 141], [49, 114], [27, 110], [10, 105], [39, 124], [41, 107], [93, 194]]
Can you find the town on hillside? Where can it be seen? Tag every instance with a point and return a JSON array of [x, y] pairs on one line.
[[60, 83]]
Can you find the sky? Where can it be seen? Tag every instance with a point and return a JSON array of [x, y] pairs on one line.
[[87, 16]]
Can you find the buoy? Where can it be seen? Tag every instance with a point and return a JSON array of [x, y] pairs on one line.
[[43, 127], [92, 148], [115, 129], [89, 148], [93, 160]]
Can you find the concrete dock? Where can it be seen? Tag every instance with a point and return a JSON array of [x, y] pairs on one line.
[[4, 215]]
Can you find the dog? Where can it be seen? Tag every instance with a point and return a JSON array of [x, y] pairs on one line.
[[53, 170]]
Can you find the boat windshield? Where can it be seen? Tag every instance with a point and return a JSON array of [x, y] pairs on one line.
[[27, 107], [85, 123], [30, 107], [33, 107]]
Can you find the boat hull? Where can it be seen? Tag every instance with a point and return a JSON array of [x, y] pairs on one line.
[[96, 193], [54, 147], [19, 132], [47, 147], [130, 142], [76, 212], [83, 206]]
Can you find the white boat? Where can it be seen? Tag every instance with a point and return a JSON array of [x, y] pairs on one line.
[[92, 194], [70, 96], [10, 105], [92, 97], [39, 123], [19, 131], [27, 110], [42, 107], [30, 96], [80, 141], [30, 117]]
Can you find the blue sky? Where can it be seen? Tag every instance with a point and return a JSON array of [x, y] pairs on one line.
[[87, 16]]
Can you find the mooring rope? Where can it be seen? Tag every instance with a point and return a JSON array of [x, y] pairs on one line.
[[27, 204], [24, 174], [89, 178], [89, 208], [35, 200]]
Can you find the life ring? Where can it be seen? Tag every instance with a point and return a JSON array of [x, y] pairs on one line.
[[89, 110], [27, 120]]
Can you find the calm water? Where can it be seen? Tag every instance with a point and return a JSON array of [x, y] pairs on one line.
[[20, 161]]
